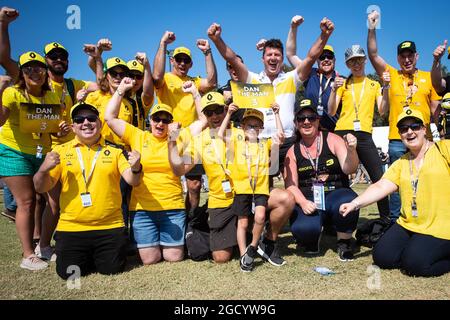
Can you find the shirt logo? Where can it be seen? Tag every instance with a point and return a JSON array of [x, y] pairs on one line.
[[107, 153]]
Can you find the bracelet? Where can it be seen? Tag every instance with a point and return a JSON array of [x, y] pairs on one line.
[[120, 93], [357, 204], [197, 96], [207, 51], [387, 86], [137, 172]]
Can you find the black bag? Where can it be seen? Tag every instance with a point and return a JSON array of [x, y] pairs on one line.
[[371, 231], [197, 234]]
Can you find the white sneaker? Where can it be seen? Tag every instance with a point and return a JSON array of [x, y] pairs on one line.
[[33, 263]]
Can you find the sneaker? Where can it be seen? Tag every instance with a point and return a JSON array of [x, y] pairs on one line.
[[46, 253], [247, 260], [11, 215], [33, 263], [344, 250], [269, 252]]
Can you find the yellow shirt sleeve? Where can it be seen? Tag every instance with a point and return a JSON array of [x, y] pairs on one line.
[[393, 173]]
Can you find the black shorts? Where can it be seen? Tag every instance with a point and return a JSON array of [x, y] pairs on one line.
[[242, 204], [195, 173], [288, 143], [222, 226]]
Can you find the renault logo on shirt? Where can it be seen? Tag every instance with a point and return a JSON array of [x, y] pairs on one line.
[[107, 153]]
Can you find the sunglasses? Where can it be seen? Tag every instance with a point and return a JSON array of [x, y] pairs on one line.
[[413, 126], [250, 126], [326, 56], [217, 111], [303, 118], [33, 69], [136, 76], [58, 55], [355, 61], [116, 74], [163, 120], [183, 59], [81, 119]]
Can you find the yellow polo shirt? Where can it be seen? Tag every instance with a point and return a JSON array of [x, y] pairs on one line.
[[421, 100], [10, 135], [372, 90], [433, 201], [100, 100], [160, 188], [209, 150], [104, 187], [259, 155], [182, 103]]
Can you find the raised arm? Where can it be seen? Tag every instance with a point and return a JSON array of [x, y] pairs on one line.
[[215, 34], [211, 72], [133, 174], [305, 67], [7, 15], [95, 60], [176, 161], [159, 64], [372, 48], [197, 126], [112, 110], [291, 42], [345, 151], [4, 111], [43, 181], [335, 99], [383, 101], [103, 44], [438, 82], [222, 133], [148, 90]]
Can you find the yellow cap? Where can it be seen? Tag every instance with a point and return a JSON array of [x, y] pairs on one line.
[[53, 45], [161, 107], [184, 50], [410, 113], [212, 99], [135, 65], [253, 113], [446, 101], [31, 56], [328, 48], [114, 62]]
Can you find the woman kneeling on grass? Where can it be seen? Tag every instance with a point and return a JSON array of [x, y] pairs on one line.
[[419, 243]]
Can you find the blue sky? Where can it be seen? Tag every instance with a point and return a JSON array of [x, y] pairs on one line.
[[138, 26]]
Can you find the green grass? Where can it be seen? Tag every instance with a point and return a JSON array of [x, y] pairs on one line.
[[207, 280]]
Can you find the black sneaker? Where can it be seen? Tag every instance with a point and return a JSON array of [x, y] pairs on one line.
[[344, 250], [269, 252], [247, 260]]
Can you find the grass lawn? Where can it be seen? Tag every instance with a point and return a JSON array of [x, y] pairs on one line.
[[206, 280]]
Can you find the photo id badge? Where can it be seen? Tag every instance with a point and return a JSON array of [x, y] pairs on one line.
[[414, 209], [39, 150], [357, 125], [226, 186], [319, 195], [320, 110], [86, 200]]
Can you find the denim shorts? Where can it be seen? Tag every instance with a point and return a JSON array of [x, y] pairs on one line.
[[158, 228]]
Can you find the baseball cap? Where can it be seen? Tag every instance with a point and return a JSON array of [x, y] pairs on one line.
[[406, 45], [135, 65], [161, 107], [184, 50], [328, 48], [306, 104], [114, 62], [410, 113], [82, 106], [446, 101], [53, 46], [212, 99], [31, 56], [253, 113], [355, 51]]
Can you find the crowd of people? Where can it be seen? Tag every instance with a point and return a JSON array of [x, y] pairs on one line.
[[108, 178]]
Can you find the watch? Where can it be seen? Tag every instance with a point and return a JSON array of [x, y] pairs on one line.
[[119, 92], [137, 172]]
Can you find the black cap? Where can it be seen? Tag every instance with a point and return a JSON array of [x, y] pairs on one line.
[[306, 104], [406, 45], [82, 106]]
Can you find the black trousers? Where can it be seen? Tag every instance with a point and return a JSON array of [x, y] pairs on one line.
[[417, 254], [102, 251], [368, 155]]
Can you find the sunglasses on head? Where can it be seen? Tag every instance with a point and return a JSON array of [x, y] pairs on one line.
[[310, 118], [413, 126], [163, 120], [33, 69], [326, 56], [116, 74], [61, 55], [136, 76], [81, 119], [186, 60], [210, 112]]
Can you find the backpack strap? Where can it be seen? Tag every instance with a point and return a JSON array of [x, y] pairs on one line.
[[71, 88]]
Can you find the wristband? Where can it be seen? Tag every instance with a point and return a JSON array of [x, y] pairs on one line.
[[137, 172], [357, 204], [119, 92], [207, 51]]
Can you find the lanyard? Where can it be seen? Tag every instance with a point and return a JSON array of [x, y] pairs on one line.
[[64, 91], [322, 90], [314, 165], [356, 106], [218, 158], [409, 90], [248, 158], [415, 179], [83, 169]]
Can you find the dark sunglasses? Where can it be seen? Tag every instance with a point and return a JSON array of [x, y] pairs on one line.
[[116, 74], [62, 55], [250, 126], [81, 119], [163, 120], [210, 112], [326, 56], [136, 76], [182, 59], [33, 69], [303, 118], [413, 126]]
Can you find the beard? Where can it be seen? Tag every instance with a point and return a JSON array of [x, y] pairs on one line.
[[60, 71]]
